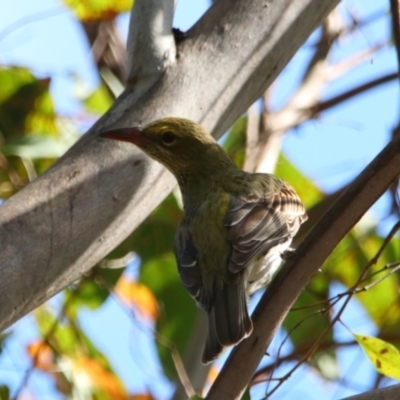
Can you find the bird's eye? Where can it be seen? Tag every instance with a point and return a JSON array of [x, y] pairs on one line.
[[168, 138]]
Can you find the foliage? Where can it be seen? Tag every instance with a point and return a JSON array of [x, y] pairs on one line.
[[384, 356], [92, 10]]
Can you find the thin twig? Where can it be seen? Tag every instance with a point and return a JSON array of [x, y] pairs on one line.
[[340, 68], [349, 294], [348, 94], [296, 273], [395, 266], [287, 337], [46, 341], [176, 358]]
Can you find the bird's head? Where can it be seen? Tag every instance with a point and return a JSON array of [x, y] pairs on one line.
[[177, 143]]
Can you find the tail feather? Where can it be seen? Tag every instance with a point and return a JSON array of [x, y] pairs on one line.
[[229, 321], [231, 318], [212, 348]]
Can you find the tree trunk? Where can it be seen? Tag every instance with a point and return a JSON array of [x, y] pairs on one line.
[[63, 223]]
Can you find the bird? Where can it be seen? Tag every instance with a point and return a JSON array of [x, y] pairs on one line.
[[235, 229]]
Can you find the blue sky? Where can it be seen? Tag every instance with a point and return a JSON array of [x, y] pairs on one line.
[[331, 151]]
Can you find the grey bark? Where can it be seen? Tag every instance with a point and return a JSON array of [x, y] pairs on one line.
[[68, 219], [387, 393], [151, 46]]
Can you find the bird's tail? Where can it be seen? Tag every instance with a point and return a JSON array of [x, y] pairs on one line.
[[228, 320]]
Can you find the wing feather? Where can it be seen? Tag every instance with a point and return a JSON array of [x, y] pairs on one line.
[[187, 259], [262, 219]]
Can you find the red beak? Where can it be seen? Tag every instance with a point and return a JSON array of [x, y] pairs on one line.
[[132, 135]]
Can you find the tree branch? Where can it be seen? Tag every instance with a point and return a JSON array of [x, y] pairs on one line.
[[395, 10], [274, 124], [295, 275], [387, 393], [151, 44], [348, 94], [107, 47], [68, 219]]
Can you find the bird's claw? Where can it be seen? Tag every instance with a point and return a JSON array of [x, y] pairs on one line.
[[288, 254]]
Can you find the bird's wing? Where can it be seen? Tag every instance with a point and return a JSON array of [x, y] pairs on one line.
[[260, 220], [229, 321], [188, 266]]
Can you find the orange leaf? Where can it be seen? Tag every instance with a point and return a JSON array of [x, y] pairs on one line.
[[42, 355], [131, 292], [101, 378]]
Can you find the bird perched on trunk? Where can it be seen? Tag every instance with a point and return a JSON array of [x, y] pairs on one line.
[[235, 228]]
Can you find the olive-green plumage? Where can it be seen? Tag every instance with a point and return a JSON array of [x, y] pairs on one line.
[[235, 228]]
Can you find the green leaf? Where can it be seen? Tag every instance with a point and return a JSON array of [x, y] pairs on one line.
[[99, 101], [3, 337], [36, 146], [4, 392], [385, 312], [246, 395], [155, 235], [153, 238], [11, 79], [67, 338], [346, 264], [153, 242], [90, 294], [305, 324], [384, 356], [25, 104]]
